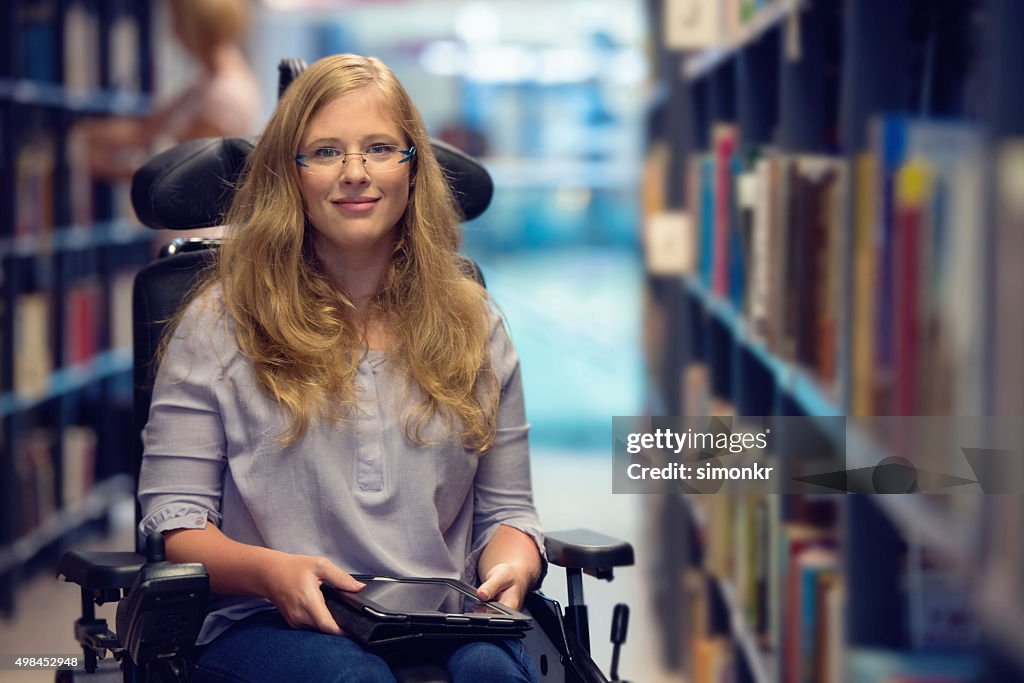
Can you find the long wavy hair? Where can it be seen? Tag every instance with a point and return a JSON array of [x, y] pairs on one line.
[[298, 328]]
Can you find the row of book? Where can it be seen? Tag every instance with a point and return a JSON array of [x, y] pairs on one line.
[[35, 181], [891, 294], [86, 311], [41, 490], [44, 32], [781, 576]]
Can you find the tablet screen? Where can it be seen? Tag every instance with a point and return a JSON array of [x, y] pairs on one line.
[[424, 597]]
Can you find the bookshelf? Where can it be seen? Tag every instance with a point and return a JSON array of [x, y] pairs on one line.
[[68, 253], [838, 162]]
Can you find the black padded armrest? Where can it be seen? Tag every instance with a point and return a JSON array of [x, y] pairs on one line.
[[587, 550], [100, 570]]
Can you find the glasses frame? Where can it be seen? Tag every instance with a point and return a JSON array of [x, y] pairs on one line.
[[407, 155]]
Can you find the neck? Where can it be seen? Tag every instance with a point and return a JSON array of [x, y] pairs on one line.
[[356, 269]]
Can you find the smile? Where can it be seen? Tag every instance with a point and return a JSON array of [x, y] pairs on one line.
[[360, 205]]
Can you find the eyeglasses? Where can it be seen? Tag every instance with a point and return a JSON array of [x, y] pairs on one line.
[[376, 158]]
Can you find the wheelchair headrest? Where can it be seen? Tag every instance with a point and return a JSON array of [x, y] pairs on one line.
[[191, 185]]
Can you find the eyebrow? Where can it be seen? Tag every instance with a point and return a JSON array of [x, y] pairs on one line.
[[367, 139]]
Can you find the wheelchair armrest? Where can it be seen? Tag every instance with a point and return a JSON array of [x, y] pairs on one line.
[[100, 570], [594, 553]]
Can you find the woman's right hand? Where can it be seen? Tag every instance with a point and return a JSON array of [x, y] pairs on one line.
[[292, 583]]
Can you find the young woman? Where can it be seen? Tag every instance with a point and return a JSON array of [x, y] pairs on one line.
[[339, 397]]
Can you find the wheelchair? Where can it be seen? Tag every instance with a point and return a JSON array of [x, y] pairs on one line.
[[161, 606]]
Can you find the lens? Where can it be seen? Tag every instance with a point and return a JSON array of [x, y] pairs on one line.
[[375, 159]]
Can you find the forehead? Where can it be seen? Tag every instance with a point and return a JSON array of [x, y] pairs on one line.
[[353, 117]]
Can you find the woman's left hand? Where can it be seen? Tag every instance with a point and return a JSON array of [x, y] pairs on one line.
[[507, 583]]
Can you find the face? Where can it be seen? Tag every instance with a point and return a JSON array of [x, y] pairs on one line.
[[353, 210]]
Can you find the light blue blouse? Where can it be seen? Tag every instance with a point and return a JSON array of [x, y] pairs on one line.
[[358, 492]]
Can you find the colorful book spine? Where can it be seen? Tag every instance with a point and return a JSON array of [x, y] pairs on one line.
[[912, 188], [707, 220], [725, 148], [865, 287]]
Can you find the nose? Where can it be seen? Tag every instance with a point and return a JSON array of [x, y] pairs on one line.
[[353, 170]]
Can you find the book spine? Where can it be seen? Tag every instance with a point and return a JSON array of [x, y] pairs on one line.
[[865, 285], [912, 186], [725, 148]]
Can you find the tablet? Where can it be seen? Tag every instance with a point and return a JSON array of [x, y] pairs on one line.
[[393, 609]]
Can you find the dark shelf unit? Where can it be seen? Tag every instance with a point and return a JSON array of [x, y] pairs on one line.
[[858, 59], [53, 248]]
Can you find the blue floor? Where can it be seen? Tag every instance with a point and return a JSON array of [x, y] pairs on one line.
[[574, 316]]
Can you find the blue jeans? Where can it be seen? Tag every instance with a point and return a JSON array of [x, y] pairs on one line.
[[264, 648]]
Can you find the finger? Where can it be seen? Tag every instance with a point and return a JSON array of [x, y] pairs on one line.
[[321, 619], [339, 578], [496, 584]]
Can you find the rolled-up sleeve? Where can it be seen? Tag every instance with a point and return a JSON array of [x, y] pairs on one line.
[[180, 482], [502, 489]]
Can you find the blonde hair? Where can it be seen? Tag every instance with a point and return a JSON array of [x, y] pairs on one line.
[[203, 24], [296, 326]]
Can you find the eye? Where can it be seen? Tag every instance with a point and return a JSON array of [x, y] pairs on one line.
[[380, 150], [326, 153]]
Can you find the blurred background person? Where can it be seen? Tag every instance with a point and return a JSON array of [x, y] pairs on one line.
[[223, 100]]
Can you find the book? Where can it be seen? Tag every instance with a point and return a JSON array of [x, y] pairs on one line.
[[865, 283], [815, 269], [938, 606], [818, 571], [706, 218], [764, 236], [78, 463], [82, 316], [36, 484], [120, 308], [35, 31], [912, 187], [81, 35], [34, 185], [938, 329], [80, 181], [668, 243], [712, 659], [693, 24], [33, 359], [1008, 334], [724, 139], [803, 546], [123, 65], [947, 147], [741, 229]]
